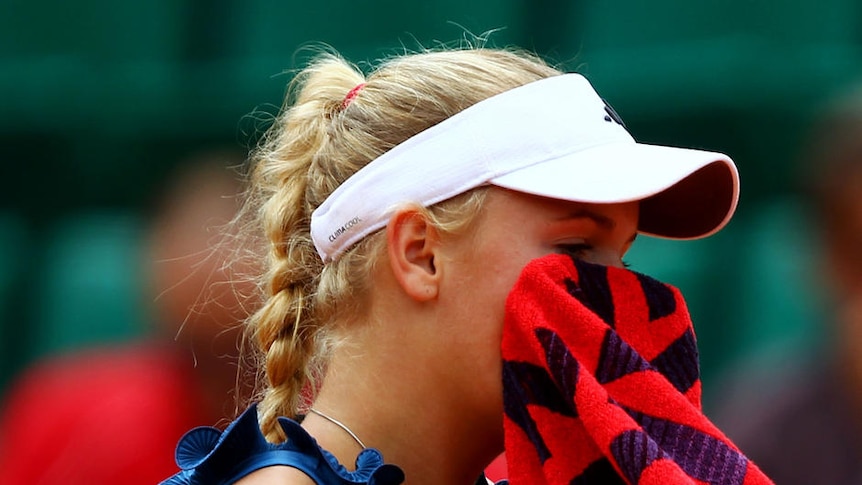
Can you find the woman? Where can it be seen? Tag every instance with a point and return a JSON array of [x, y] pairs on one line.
[[398, 210]]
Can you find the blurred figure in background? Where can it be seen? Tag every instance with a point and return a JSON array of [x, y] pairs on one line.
[[109, 416], [805, 427]]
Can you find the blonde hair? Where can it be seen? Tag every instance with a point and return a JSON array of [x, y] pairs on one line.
[[315, 144]]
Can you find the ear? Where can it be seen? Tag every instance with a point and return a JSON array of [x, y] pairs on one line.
[[412, 244]]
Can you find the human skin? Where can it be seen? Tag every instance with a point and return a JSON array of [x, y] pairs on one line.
[[420, 379]]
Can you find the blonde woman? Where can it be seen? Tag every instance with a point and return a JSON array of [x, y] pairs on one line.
[[398, 209]]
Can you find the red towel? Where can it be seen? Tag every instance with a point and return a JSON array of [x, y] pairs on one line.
[[602, 384]]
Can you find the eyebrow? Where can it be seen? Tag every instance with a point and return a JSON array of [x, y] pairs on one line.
[[600, 219]]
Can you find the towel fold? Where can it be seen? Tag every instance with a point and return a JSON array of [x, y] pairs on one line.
[[601, 383]]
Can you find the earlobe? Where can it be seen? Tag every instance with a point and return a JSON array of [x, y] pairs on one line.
[[412, 243]]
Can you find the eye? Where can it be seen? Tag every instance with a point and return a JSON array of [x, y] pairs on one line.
[[575, 250], [587, 252]]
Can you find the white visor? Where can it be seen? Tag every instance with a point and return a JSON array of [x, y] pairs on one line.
[[554, 138]]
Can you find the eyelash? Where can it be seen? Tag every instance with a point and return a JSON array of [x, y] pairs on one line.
[[577, 251]]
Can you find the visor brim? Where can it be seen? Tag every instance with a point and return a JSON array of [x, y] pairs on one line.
[[686, 194]]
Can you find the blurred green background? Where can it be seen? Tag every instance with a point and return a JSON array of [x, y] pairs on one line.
[[99, 100]]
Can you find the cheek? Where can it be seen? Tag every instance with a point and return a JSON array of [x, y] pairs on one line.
[[497, 275], [487, 266], [483, 297], [485, 277]]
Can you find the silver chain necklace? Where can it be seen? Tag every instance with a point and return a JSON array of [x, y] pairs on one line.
[[340, 425]]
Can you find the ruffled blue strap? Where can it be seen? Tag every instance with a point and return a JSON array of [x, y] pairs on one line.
[[207, 456]]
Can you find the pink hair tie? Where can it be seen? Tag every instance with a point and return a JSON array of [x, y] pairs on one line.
[[348, 98]]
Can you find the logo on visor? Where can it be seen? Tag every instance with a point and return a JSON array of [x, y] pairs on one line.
[[341, 230], [612, 114]]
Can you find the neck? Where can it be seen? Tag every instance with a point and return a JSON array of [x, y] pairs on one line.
[[395, 401]]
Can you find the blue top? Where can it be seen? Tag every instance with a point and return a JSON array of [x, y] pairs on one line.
[[207, 456]]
